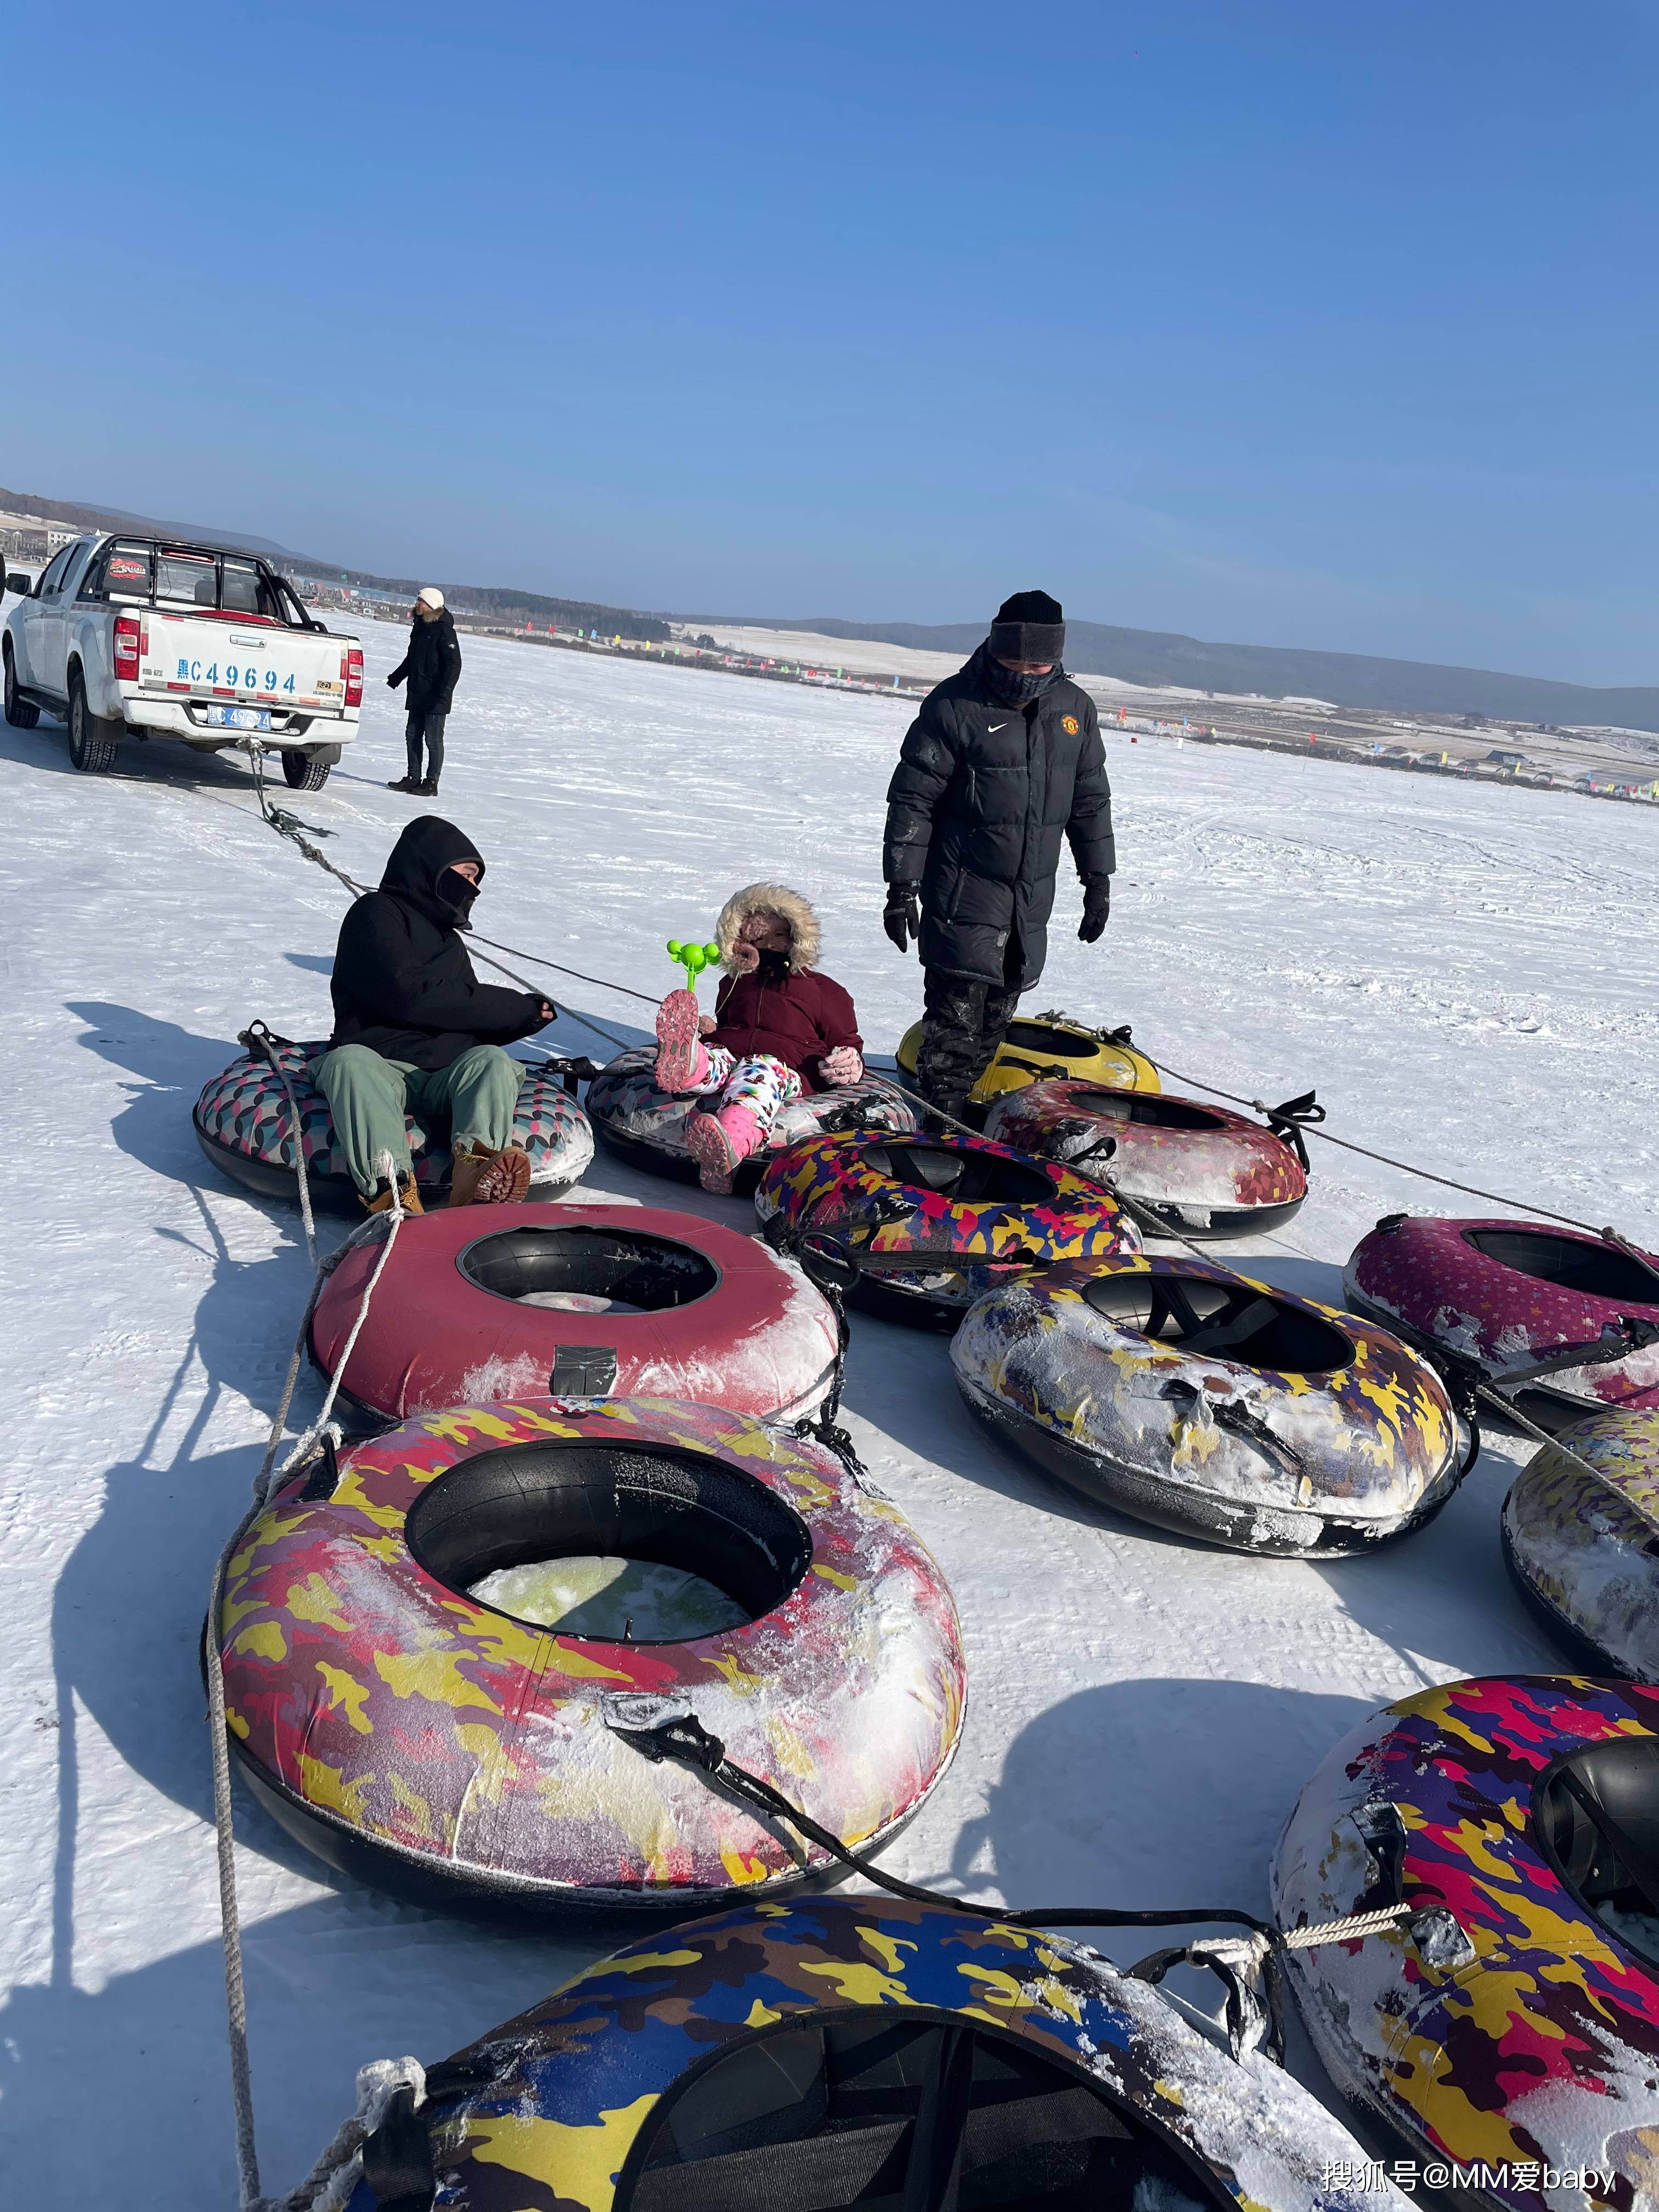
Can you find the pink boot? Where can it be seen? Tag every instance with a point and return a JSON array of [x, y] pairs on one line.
[[720, 1142], [682, 1057]]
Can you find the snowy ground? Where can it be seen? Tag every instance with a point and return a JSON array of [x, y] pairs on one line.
[[1468, 976]]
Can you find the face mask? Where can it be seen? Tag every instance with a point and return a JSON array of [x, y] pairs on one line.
[[1013, 689], [773, 967], [457, 894]]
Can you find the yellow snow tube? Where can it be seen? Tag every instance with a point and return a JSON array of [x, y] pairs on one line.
[[1049, 1045]]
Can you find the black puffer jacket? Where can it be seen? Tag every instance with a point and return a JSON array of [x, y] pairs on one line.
[[432, 664], [976, 810], [402, 984]]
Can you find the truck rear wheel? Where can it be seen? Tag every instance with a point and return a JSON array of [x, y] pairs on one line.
[[304, 771], [22, 714], [93, 742]]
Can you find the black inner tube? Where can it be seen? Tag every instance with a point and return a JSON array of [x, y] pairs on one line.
[[1593, 1269], [627, 1265], [854, 2107], [963, 1174], [1057, 1044], [1224, 1320], [1596, 1814], [1148, 1107], [548, 1500]]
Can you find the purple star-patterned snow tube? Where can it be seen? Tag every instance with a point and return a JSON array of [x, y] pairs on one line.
[[1561, 1322]]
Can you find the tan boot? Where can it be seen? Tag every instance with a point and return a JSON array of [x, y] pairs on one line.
[[483, 1177], [382, 1201]]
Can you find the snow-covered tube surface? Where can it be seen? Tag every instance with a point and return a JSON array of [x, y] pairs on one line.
[[1513, 2023], [1205, 1171], [831, 2051], [1214, 1406], [648, 1125], [1585, 1551], [1049, 1045], [592, 1301], [243, 1124], [981, 1209], [416, 1735], [1562, 1323]]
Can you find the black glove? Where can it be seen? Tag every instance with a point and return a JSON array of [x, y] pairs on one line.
[[901, 915], [392, 681], [1097, 906]]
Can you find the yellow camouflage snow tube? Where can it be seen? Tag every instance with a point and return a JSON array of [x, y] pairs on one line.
[[1054, 1045]]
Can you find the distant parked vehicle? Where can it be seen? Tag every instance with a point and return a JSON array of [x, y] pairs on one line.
[[199, 643]]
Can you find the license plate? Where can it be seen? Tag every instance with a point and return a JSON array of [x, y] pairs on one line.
[[238, 718]]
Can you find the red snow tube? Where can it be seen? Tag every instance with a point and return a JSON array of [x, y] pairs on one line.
[[488, 1303], [1562, 1323]]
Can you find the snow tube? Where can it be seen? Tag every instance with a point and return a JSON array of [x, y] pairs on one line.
[[1050, 1044], [594, 1301], [1585, 1552], [1205, 1171], [243, 1124], [1513, 2024], [834, 2052], [1210, 1406], [1561, 1322], [419, 1737], [981, 1207], [647, 1126]]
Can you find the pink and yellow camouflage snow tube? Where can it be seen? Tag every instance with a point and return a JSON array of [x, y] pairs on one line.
[[416, 1736], [1207, 1171], [1560, 1321], [1512, 2025]]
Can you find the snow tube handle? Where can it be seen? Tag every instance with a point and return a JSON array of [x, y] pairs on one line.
[[1288, 1121]]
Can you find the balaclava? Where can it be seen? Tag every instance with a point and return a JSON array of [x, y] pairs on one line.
[[1030, 626]]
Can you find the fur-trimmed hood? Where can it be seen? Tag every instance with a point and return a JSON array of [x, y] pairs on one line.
[[805, 937]]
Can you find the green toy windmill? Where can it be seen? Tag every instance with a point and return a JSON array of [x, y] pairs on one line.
[[694, 959]]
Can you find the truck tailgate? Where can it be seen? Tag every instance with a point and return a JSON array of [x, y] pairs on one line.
[[245, 663]]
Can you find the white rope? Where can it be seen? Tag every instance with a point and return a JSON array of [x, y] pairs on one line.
[[1352, 1928], [241, 2084]]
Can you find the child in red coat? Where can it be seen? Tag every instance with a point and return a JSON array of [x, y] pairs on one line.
[[779, 1028]]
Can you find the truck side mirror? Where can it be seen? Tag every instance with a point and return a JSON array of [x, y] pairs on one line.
[[20, 583]]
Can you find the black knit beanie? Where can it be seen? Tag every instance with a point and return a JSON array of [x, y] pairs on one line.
[[1031, 626]]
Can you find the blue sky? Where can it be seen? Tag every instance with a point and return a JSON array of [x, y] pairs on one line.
[[1319, 326]]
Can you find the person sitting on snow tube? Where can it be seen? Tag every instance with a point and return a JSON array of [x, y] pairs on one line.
[[415, 1031], [778, 1028]]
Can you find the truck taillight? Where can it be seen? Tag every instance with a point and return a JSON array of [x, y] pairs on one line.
[[351, 668], [126, 649]]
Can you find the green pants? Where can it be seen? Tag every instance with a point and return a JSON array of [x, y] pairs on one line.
[[367, 1097]]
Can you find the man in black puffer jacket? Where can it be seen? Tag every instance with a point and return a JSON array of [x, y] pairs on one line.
[[432, 665], [1003, 759], [416, 1032]]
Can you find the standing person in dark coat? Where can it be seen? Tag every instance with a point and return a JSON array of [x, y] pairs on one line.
[[432, 665], [416, 1032], [1003, 760]]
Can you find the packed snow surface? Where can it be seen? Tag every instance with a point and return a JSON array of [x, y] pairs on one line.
[[632, 1598], [1468, 974]]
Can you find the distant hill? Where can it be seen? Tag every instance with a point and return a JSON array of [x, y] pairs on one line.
[[1160, 656], [1153, 657]]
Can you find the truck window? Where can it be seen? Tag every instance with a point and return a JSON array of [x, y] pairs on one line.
[[187, 579], [120, 572], [54, 575], [245, 591]]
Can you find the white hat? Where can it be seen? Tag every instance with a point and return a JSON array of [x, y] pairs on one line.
[[431, 597]]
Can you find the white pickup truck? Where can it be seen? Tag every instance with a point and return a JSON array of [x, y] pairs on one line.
[[200, 642]]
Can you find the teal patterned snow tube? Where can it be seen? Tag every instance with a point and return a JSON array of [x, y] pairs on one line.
[[243, 1123]]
